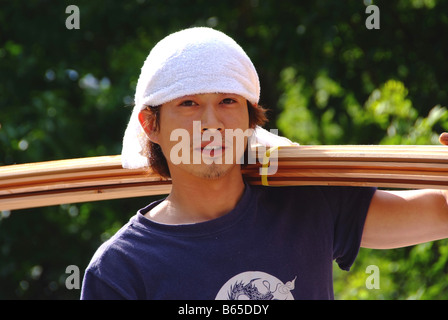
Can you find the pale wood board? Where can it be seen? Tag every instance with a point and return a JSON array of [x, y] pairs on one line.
[[101, 178]]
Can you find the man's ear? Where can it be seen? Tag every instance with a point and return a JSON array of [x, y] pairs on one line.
[[147, 121]]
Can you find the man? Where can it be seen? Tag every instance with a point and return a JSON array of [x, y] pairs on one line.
[[215, 236]]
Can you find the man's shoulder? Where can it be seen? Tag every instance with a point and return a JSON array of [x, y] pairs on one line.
[[269, 192], [308, 190], [312, 195], [115, 246]]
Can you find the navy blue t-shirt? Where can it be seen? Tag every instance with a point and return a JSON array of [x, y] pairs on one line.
[[277, 243]]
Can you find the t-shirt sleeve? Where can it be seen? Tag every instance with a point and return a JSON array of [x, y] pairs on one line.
[[350, 206], [94, 288], [111, 274]]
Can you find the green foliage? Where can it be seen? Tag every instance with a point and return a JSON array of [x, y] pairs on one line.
[[308, 118], [306, 114], [411, 273], [392, 111], [324, 76]]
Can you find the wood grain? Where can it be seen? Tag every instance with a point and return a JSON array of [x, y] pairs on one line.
[[101, 178]]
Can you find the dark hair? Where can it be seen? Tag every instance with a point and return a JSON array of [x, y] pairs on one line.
[[153, 151]]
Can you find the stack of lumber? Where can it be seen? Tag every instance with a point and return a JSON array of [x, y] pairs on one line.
[[408, 167], [101, 178], [75, 180]]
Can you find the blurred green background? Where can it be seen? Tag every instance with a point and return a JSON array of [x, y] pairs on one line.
[[326, 78]]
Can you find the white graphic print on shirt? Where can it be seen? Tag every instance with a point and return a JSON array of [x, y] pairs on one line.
[[256, 285]]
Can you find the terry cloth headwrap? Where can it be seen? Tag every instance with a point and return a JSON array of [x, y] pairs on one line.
[[191, 61]]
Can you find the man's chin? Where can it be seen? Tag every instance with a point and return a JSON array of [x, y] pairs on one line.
[[211, 171], [214, 171]]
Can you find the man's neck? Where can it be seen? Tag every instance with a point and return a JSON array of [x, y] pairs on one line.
[[194, 199]]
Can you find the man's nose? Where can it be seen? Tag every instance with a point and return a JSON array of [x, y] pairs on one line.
[[210, 119]]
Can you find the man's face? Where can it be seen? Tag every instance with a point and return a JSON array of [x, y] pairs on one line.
[[204, 127]]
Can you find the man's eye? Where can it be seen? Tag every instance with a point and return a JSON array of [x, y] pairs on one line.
[[228, 101], [188, 103]]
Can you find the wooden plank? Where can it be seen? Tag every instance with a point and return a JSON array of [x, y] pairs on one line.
[[391, 184], [101, 178], [349, 164], [77, 195], [359, 174], [47, 185], [436, 154], [61, 166]]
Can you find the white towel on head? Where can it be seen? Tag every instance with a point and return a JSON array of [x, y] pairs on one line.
[[193, 61], [262, 137], [187, 62]]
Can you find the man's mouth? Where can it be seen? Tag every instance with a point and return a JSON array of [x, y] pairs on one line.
[[212, 150]]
